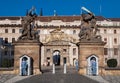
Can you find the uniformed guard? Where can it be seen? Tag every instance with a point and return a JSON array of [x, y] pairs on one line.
[[93, 67], [24, 67]]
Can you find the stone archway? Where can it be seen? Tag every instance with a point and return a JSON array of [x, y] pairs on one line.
[[92, 65], [25, 65], [56, 57]]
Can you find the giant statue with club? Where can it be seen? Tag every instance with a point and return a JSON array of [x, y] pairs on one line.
[[88, 26]]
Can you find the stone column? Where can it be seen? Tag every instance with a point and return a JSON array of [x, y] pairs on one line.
[[61, 60], [67, 58], [86, 49]]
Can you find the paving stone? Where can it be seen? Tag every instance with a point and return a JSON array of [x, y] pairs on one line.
[[47, 77], [5, 77], [72, 76], [112, 79], [58, 78]]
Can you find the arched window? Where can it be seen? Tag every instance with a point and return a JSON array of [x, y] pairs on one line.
[[115, 31], [105, 39], [6, 30], [13, 39], [13, 30], [115, 40], [115, 51], [105, 31], [6, 40], [105, 51]]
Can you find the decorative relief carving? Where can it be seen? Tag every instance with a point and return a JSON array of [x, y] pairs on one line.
[[58, 35]]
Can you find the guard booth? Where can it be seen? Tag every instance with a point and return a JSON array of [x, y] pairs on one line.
[[25, 66], [92, 65]]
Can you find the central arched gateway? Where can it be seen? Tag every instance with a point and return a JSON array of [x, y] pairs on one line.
[[56, 57], [60, 42], [57, 50]]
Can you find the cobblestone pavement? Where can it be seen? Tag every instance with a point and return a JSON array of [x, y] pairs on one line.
[[17, 78], [58, 69], [58, 78], [97, 78], [47, 77], [112, 79], [5, 77]]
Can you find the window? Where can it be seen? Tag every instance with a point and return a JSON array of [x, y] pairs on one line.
[[115, 31], [64, 50], [105, 51], [105, 60], [74, 51], [6, 30], [6, 40], [115, 40], [47, 50], [13, 30], [74, 31], [13, 39], [105, 39], [115, 51], [48, 58], [105, 31], [64, 60], [20, 30]]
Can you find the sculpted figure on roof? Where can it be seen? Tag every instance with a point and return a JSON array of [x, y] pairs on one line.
[[88, 27], [29, 31]]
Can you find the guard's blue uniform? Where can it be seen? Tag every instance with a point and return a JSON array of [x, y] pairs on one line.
[[24, 67], [93, 67]]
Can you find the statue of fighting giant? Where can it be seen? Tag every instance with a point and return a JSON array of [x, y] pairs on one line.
[[88, 26], [29, 26]]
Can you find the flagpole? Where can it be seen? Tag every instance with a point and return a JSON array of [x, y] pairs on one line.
[[100, 7], [80, 11]]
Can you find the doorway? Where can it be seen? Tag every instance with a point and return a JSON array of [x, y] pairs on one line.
[[92, 65], [25, 66], [56, 57], [48, 61]]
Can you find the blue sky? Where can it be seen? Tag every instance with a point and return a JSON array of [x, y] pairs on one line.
[[109, 8]]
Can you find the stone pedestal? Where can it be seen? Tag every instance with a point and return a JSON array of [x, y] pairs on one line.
[[86, 49], [30, 48]]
